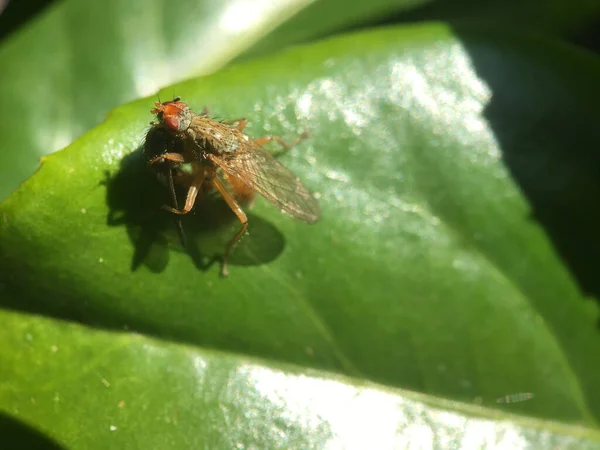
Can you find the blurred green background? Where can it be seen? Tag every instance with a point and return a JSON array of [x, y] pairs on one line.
[[454, 151]]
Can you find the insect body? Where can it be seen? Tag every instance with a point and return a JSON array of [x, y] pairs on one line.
[[201, 149]]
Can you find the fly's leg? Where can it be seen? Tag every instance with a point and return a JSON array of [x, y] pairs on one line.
[[171, 157], [177, 158], [176, 206], [241, 215], [286, 145], [240, 123], [191, 195]]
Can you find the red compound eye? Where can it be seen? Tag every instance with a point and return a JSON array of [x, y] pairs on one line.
[[172, 121], [172, 113], [175, 115]]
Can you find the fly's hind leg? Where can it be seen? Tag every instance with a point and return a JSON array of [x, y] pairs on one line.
[[241, 215], [286, 145]]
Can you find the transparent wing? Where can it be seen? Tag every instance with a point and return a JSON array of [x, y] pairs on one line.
[[259, 170]]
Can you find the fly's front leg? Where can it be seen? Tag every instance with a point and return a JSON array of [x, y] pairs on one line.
[[176, 158], [191, 194], [176, 206]]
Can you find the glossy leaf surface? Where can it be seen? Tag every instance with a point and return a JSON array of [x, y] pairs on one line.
[[456, 173], [135, 392], [80, 58]]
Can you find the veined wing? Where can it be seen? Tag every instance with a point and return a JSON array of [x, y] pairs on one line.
[[259, 170]]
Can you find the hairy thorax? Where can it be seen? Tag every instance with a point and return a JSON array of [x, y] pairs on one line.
[[206, 135]]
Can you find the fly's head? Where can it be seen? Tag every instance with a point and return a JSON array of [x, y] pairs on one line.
[[174, 115]]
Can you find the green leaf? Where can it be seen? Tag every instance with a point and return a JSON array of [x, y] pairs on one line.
[[80, 59], [456, 170], [81, 388]]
